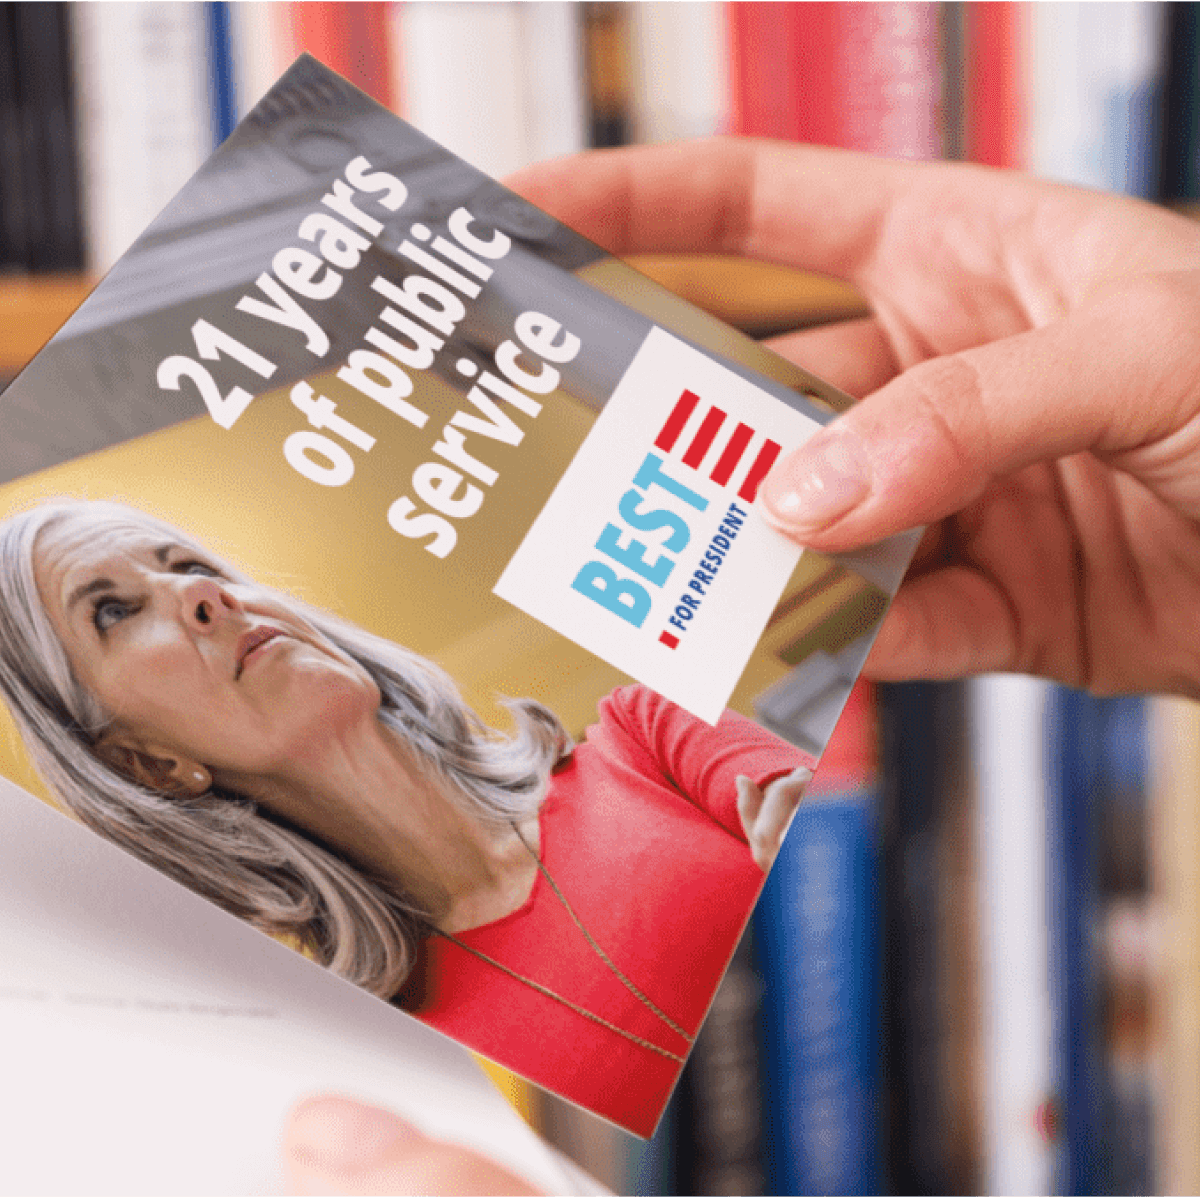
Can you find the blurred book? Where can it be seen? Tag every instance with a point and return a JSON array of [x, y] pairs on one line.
[[866, 76], [262, 45], [929, 900], [1175, 874], [355, 40], [1097, 88], [39, 188], [1008, 730], [816, 931], [500, 84], [996, 99], [719, 1149], [145, 122], [679, 70], [608, 72], [1180, 175]]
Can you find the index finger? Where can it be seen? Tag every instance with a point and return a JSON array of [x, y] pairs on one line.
[[810, 207]]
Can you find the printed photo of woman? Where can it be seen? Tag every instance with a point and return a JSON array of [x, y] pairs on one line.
[[565, 910]]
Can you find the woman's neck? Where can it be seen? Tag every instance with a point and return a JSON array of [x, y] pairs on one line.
[[367, 797]]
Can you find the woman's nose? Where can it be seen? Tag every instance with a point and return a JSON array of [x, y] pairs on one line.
[[205, 602]]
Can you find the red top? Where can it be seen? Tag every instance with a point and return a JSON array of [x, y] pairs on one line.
[[641, 833]]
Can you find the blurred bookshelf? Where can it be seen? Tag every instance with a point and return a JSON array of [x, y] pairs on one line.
[[756, 297], [32, 307], [113, 106]]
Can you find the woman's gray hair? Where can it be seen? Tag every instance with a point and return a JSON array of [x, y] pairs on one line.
[[222, 845]]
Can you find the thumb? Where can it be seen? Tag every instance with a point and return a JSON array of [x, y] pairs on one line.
[[336, 1146], [1111, 379]]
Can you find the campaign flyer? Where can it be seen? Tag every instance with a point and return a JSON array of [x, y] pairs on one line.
[[379, 559]]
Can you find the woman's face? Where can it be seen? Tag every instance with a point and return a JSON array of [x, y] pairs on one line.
[[190, 664]]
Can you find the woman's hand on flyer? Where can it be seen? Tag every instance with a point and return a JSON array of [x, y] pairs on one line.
[[1031, 384], [767, 812], [334, 1146]]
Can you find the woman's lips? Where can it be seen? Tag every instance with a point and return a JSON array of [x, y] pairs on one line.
[[252, 642]]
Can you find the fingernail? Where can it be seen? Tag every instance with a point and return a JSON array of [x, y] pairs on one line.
[[817, 483], [340, 1137]]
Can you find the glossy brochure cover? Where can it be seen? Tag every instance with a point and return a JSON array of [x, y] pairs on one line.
[[380, 560]]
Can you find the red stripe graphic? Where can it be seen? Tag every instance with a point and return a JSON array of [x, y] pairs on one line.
[[668, 639], [732, 454], [678, 419], [762, 465], [704, 437]]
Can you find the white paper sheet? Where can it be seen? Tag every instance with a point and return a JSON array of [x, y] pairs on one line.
[[151, 1044]]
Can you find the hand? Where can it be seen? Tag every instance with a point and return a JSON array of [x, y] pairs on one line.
[[335, 1146], [767, 814], [1031, 375]]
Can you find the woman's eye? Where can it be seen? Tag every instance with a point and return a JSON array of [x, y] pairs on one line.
[[194, 567], [108, 611]]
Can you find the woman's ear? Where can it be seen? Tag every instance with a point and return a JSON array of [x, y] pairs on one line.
[[154, 768]]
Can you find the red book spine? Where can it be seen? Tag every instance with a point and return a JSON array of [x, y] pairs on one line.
[[851, 760], [872, 76], [997, 117], [820, 94], [762, 70], [367, 48], [314, 25], [864, 76], [352, 38]]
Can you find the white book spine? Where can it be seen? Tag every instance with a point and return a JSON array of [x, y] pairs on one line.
[[462, 80], [553, 75], [144, 117], [680, 70], [1007, 719], [259, 54], [1096, 71], [1175, 877]]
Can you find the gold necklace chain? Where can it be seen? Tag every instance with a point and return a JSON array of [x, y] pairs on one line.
[[612, 967]]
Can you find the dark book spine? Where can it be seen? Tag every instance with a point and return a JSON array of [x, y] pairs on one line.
[[927, 975], [51, 184], [14, 254], [28, 20], [1180, 165], [1126, 919], [720, 1153], [606, 51], [1083, 1161], [1101, 943]]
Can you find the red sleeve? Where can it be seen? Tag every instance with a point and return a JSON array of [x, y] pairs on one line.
[[700, 761]]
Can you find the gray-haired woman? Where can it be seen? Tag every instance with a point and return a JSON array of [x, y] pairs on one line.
[[327, 784]]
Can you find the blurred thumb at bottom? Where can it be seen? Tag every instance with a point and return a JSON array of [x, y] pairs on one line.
[[338, 1146]]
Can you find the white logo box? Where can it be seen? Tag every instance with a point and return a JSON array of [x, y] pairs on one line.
[[664, 483]]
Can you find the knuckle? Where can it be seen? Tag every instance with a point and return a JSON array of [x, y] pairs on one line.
[[1158, 314], [1163, 306], [949, 397], [1170, 297]]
